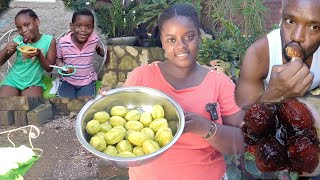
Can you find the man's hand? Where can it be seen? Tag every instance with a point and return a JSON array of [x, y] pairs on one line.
[[292, 79]]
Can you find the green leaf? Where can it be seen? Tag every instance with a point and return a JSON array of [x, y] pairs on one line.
[[228, 159], [233, 173], [294, 175], [251, 167]]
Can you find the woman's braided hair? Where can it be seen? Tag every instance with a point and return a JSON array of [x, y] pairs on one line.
[[179, 9]]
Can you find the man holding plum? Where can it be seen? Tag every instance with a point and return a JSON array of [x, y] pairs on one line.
[[267, 74]]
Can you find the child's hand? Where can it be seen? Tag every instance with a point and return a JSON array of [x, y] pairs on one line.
[[100, 50], [30, 55], [11, 46], [59, 64], [98, 47], [103, 90]]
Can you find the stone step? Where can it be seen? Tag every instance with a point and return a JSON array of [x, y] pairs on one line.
[[6, 118], [40, 115], [18, 103]]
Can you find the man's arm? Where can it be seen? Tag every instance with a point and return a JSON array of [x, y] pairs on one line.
[[291, 79], [254, 69]]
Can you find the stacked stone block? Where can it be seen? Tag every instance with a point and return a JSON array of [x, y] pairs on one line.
[[23, 110]]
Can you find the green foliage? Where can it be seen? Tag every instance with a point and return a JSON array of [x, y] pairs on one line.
[[115, 19], [244, 167], [78, 4], [229, 45], [249, 14], [148, 11]]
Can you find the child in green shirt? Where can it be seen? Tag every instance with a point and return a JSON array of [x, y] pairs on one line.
[[24, 78]]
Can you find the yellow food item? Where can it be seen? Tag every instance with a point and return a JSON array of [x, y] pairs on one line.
[[150, 146], [128, 132], [137, 138], [99, 134], [316, 92], [118, 111], [117, 121], [155, 125], [105, 127], [293, 52], [126, 154], [27, 49], [138, 151], [115, 135], [111, 150], [134, 125], [157, 111], [146, 118], [101, 116], [98, 143], [124, 145], [163, 136], [93, 127], [133, 115], [148, 132]]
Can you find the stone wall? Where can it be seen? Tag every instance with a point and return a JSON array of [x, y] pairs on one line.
[[123, 59]]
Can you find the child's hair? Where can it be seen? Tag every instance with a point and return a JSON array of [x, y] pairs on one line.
[[179, 9], [85, 12], [29, 12]]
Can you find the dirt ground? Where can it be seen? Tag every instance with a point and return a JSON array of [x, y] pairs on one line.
[[63, 156]]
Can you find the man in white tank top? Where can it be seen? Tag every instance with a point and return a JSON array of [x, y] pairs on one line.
[[267, 74]]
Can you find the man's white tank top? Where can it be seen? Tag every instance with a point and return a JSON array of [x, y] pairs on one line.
[[275, 58]]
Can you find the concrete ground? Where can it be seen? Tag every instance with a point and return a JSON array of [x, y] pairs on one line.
[[63, 156]]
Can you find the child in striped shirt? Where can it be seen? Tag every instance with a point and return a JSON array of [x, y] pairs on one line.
[[77, 48]]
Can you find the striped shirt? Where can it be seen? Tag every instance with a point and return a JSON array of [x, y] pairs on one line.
[[82, 59]]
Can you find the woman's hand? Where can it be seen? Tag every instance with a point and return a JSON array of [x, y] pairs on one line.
[[196, 124]]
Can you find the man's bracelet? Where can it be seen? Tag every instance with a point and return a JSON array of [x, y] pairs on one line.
[[212, 131]]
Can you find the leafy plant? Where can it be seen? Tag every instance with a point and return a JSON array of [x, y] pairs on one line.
[[148, 11], [115, 19], [78, 4], [243, 166], [229, 46], [249, 14]]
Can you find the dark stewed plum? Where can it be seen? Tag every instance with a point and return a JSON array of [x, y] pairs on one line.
[[303, 154], [271, 155], [295, 115], [282, 136], [260, 118]]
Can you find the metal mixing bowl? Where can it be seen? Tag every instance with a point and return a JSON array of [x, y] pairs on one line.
[[141, 98]]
